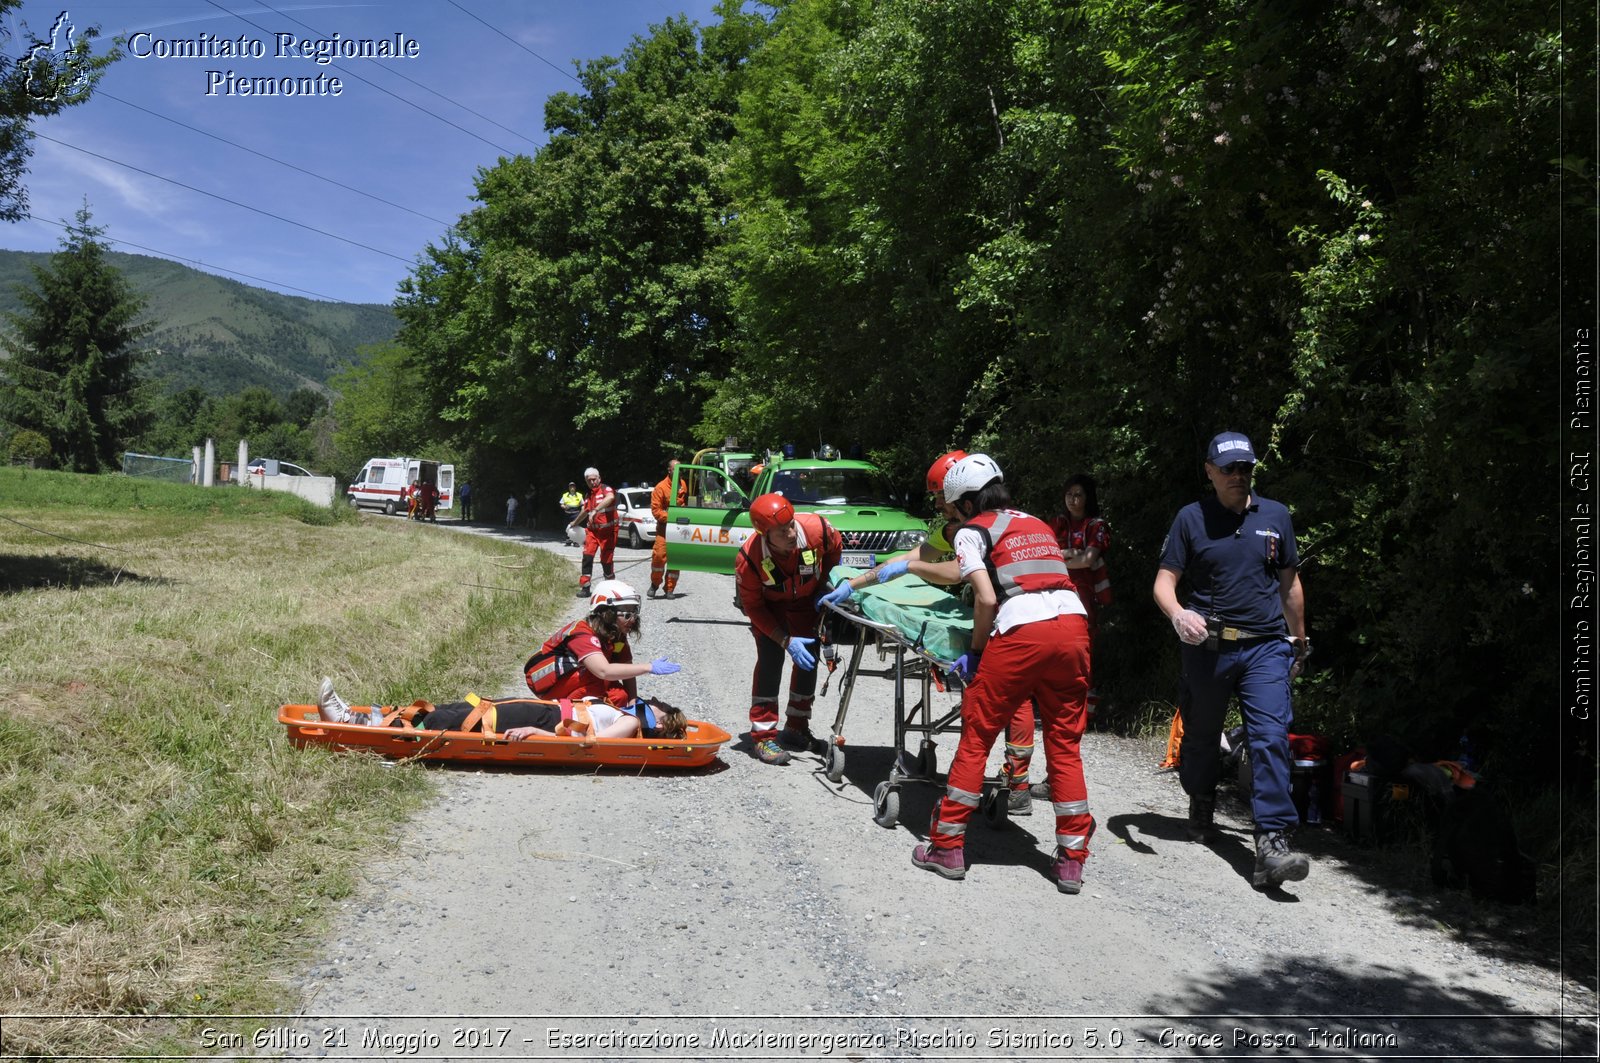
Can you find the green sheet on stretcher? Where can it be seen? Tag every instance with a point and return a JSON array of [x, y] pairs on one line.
[[907, 603]]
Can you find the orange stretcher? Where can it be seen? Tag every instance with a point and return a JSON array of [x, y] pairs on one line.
[[696, 749]]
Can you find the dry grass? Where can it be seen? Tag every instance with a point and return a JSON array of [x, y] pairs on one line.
[[162, 849]]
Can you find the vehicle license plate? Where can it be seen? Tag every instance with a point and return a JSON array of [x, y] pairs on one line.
[[857, 558]]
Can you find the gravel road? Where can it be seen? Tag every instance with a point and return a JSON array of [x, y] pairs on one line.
[[750, 911]]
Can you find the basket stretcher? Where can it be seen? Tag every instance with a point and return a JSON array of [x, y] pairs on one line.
[[698, 747], [918, 630]]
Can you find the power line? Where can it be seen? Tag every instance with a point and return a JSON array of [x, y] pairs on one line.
[[380, 88], [262, 155], [182, 258], [418, 84], [516, 42], [225, 199]]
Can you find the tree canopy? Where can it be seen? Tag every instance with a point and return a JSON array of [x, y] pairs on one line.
[[1084, 236]]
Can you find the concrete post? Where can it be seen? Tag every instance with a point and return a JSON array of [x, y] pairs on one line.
[[240, 473], [210, 468], [194, 469]]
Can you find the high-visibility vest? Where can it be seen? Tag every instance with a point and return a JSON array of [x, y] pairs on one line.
[[808, 563], [1022, 555]]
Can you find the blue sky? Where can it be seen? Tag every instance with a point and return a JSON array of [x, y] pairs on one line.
[[376, 137]]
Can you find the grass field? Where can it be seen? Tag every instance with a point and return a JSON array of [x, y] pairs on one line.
[[162, 848]]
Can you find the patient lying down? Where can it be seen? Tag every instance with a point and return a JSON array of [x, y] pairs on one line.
[[518, 718]]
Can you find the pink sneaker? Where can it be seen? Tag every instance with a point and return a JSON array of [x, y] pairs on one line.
[[1069, 873], [951, 863]]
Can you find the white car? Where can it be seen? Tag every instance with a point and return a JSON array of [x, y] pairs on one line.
[[274, 467], [638, 526]]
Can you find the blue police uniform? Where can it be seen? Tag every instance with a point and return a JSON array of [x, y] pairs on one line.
[[1232, 563]]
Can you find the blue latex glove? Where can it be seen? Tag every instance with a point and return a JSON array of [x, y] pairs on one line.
[[838, 596], [890, 569], [662, 666], [967, 664], [802, 656]]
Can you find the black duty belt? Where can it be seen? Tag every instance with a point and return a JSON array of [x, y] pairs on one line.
[[1236, 634]]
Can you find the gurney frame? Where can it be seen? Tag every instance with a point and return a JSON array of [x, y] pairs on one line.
[[911, 662]]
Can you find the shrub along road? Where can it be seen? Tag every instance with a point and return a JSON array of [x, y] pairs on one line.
[[754, 910]]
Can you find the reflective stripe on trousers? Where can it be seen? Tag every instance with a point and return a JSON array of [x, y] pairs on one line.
[[1048, 661]]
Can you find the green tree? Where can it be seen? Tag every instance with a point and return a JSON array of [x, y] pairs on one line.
[[377, 410], [53, 71], [72, 366], [577, 314], [304, 405]]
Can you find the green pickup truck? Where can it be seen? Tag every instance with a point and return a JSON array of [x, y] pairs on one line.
[[705, 533]]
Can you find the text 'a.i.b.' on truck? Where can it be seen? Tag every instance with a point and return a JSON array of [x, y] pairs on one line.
[[856, 497]]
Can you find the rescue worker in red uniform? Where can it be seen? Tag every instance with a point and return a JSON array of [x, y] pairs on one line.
[[1030, 639], [591, 658], [781, 571], [599, 518], [663, 578]]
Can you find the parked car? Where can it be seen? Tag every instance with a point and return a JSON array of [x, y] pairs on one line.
[[274, 467], [636, 527]]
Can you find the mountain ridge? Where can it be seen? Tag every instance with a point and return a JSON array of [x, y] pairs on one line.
[[223, 335]]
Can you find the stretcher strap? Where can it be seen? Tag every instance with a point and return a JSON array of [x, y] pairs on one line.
[[406, 714], [481, 707]]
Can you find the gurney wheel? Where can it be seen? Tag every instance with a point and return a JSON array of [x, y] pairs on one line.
[[995, 804], [886, 805], [833, 762]]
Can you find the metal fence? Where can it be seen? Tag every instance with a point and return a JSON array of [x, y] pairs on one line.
[[151, 467]]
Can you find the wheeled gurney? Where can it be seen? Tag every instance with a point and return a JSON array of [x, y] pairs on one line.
[[918, 630]]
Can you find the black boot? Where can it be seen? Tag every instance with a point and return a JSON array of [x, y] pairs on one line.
[[1202, 818], [1276, 863]]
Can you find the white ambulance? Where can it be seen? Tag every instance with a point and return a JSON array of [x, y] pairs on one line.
[[382, 481]]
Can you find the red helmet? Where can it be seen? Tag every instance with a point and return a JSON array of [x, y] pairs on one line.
[[770, 511], [940, 466]]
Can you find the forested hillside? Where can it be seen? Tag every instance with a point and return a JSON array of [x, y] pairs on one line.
[[222, 336], [1084, 237]]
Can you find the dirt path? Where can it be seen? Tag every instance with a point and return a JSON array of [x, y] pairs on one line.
[[752, 911]]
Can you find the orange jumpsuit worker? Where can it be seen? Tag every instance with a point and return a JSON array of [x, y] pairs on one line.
[[599, 516], [661, 577], [781, 571]]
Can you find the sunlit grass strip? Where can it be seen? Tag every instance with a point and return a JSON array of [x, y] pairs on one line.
[[162, 848]]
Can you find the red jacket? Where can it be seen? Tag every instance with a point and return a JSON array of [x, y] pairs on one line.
[[601, 521], [576, 681], [772, 588]]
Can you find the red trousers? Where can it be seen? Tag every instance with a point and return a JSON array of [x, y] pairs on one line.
[[606, 546], [1048, 662], [1019, 732], [768, 678]]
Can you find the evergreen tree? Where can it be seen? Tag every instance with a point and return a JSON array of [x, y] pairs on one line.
[[71, 371]]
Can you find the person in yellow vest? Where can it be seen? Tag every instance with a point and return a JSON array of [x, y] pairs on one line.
[[571, 501]]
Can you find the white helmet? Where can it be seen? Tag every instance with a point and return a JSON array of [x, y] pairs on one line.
[[613, 592], [969, 475]]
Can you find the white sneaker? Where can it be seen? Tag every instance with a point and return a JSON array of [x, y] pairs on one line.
[[331, 706]]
